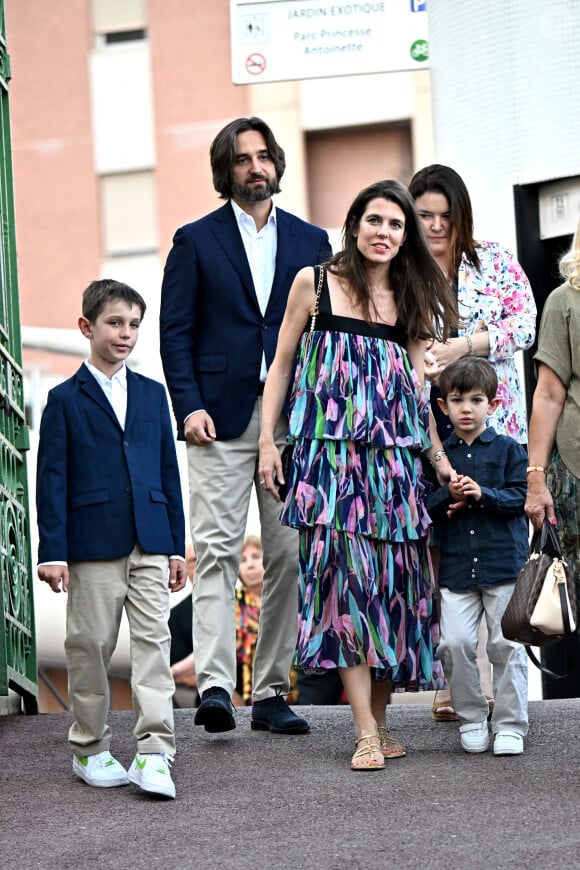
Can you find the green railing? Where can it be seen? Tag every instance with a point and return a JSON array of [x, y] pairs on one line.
[[18, 669]]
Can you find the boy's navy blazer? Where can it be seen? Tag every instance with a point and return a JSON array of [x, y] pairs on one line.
[[212, 331], [100, 489]]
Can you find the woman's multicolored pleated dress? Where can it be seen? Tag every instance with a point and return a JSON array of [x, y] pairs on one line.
[[356, 494]]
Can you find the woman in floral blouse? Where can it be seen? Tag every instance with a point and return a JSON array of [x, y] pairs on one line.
[[497, 312], [497, 317]]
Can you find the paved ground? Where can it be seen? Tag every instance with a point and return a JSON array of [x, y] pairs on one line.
[[255, 801]]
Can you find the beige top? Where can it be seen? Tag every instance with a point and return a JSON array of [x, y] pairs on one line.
[[559, 348]]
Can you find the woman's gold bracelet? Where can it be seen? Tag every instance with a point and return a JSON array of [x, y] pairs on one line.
[[531, 468]]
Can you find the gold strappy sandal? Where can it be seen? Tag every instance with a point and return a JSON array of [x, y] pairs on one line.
[[444, 711], [368, 753], [390, 746]]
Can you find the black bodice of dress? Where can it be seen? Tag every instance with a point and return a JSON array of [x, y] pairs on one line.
[[326, 320]]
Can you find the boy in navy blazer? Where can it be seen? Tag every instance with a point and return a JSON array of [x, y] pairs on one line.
[[112, 535]]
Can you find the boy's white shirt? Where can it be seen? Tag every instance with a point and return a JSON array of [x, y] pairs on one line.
[[115, 389]]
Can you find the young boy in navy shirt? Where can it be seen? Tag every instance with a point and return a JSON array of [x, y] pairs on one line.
[[483, 537], [112, 535]]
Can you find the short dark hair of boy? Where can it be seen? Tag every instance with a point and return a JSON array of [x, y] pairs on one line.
[[467, 374], [99, 293], [223, 152]]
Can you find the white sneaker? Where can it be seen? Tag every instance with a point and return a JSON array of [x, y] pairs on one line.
[[101, 770], [151, 773], [508, 743], [474, 736]]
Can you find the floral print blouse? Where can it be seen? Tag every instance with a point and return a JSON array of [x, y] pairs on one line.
[[499, 299]]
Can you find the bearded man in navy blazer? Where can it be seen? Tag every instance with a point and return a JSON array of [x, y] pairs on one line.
[[224, 293]]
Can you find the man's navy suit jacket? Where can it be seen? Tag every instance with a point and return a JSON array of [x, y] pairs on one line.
[[100, 489], [212, 331]]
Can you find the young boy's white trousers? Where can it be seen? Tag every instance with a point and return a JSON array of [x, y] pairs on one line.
[[460, 615], [98, 592]]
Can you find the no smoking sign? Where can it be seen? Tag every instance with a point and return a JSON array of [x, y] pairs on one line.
[[255, 63]]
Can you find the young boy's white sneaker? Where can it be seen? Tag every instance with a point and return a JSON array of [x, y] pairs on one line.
[[151, 773], [101, 770], [474, 736], [508, 743]]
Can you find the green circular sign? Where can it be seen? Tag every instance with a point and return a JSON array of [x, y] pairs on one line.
[[419, 50]]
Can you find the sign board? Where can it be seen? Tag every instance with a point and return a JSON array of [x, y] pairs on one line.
[[282, 40], [559, 207]]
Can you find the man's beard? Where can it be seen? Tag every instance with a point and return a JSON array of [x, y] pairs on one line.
[[255, 194]]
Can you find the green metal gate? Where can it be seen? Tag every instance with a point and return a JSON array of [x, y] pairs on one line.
[[18, 668]]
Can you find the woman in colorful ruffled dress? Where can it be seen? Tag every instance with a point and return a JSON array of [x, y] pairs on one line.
[[359, 421]]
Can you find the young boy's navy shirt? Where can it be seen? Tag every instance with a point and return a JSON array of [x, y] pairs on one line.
[[486, 542]]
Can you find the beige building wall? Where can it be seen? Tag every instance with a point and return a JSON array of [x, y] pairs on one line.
[[508, 114], [342, 162], [193, 98], [58, 230]]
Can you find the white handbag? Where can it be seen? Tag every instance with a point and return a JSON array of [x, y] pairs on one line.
[[547, 614]]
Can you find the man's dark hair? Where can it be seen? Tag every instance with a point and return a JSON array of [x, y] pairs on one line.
[[467, 374], [223, 152], [99, 293]]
